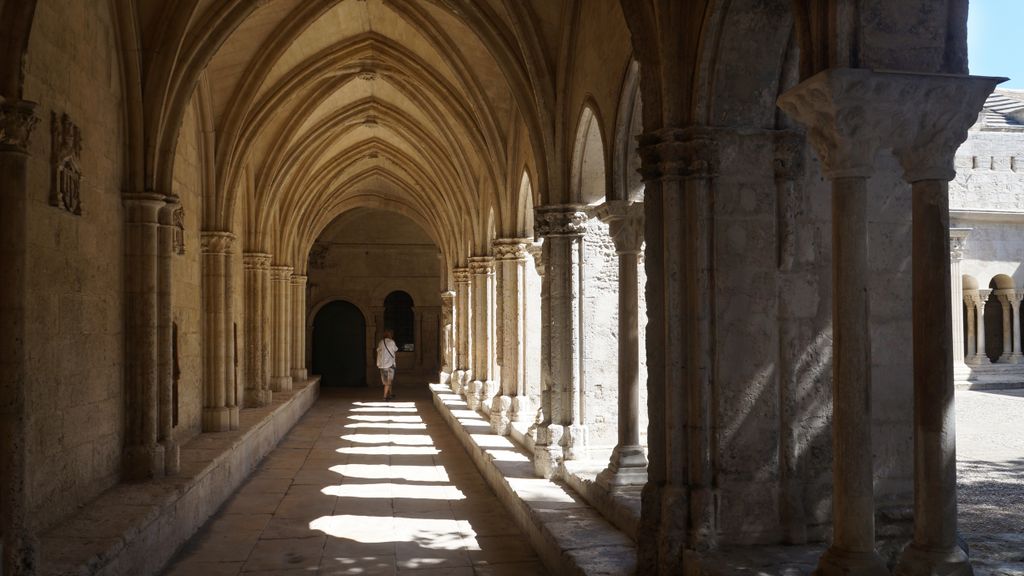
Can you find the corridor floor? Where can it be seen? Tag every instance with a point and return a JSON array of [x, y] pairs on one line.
[[361, 486]]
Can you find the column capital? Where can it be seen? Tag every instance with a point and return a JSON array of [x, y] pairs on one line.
[[958, 243], [281, 273], [447, 297], [625, 224], [511, 248], [850, 113], [461, 275], [143, 207], [216, 242], [256, 260], [299, 279], [481, 265], [685, 153], [560, 220], [17, 120], [982, 297]]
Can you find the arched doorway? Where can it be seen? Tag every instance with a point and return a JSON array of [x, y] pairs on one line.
[[339, 345]]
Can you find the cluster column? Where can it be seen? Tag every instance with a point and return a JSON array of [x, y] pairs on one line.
[[447, 336], [165, 333], [220, 407], [957, 242], [628, 464], [976, 301], [484, 384], [19, 545], [257, 344], [298, 323], [512, 258], [280, 278], [561, 434], [463, 337]]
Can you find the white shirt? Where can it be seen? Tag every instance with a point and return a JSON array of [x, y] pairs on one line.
[[386, 353]]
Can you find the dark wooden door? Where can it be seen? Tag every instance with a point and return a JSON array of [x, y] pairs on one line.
[[339, 345]]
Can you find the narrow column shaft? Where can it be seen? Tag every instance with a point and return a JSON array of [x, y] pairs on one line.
[[463, 325], [852, 469], [1015, 304], [165, 328], [956, 287], [979, 312], [448, 353], [298, 322], [484, 377], [1004, 303], [281, 352], [144, 458], [972, 349]]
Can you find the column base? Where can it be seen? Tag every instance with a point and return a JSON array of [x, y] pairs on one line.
[[300, 374], [1015, 359], [575, 442], [547, 452], [915, 561], [838, 562], [523, 409], [488, 393], [217, 419], [172, 457], [258, 398], [501, 415], [977, 359], [444, 378], [472, 390], [627, 467], [283, 384], [233, 415], [143, 462]]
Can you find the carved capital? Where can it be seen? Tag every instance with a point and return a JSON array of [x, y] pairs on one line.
[[216, 242], [850, 113], [679, 153], [17, 120], [256, 261], [281, 273], [299, 279], [511, 248], [461, 275], [481, 265], [625, 224], [537, 251], [981, 298], [447, 297], [957, 243], [560, 220]]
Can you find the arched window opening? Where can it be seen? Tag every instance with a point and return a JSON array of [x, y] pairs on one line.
[[398, 316]]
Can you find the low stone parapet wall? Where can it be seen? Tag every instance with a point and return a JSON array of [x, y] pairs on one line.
[[135, 529], [569, 535]]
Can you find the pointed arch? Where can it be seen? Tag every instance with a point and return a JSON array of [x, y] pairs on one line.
[[588, 181]]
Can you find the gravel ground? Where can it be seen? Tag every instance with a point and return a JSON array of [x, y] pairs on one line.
[[990, 461]]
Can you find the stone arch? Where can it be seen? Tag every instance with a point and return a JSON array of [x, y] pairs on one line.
[[627, 183], [588, 182], [525, 202]]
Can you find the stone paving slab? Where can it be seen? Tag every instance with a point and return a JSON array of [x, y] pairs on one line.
[[372, 488], [134, 529], [569, 535]]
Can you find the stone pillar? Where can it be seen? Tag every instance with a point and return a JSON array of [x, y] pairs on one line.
[[981, 354], [628, 464], [165, 333], [1004, 303], [298, 321], [846, 143], [934, 129], [972, 338], [19, 545], [448, 354], [280, 277], [957, 242], [543, 399], [484, 384], [257, 346], [561, 435], [463, 336], [220, 411], [512, 258], [1015, 298]]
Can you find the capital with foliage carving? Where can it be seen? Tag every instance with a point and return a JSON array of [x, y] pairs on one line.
[[560, 220], [281, 273], [216, 242], [481, 265], [625, 224], [679, 153], [461, 275], [17, 120], [511, 248], [256, 261]]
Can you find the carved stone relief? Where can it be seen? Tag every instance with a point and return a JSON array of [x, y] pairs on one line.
[[66, 176], [178, 221]]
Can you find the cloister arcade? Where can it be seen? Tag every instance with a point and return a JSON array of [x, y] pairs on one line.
[[698, 241]]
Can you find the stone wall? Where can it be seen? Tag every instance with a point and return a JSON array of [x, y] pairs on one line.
[[600, 336], [74, 276], [990, 172]]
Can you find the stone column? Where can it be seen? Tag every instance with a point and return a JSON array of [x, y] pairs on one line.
[[298, 334], [463, 336], [19, 545], [543, 399], [1004, 303], [512, 258], [846, 143], [257, 347], [561, 435], [165, 333], [448, 354], [957, 242], [981, 355], [628, 464], [934, 129], [484, 384], [220, 412], [280, 277], [972, 338], [1015, 298]]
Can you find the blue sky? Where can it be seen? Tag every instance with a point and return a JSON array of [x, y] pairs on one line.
[[995, 40]]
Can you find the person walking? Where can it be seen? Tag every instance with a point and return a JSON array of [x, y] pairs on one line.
[[386, 349]]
